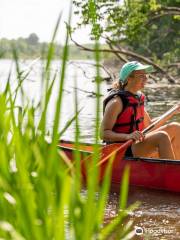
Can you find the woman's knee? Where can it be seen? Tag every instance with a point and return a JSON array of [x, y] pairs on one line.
[[163, 137], [174, 126]]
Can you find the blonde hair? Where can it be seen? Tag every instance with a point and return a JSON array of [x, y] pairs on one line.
[[117, 85]]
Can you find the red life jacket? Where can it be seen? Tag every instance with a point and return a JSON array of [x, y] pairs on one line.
[[132, 116]]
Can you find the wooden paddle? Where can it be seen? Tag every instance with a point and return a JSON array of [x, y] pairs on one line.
[[108, 150]]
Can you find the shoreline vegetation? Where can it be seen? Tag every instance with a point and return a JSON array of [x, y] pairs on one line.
[[30, 48]]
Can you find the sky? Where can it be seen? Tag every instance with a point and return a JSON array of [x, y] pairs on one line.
[[19, 18]]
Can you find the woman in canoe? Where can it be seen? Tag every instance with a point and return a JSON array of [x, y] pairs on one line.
[[125, 117]]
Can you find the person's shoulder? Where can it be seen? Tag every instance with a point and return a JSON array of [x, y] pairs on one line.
[[116, 99], [115, 102]]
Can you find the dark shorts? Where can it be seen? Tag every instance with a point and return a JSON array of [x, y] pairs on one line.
[[128, 152]]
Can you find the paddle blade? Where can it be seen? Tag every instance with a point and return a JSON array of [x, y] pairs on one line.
[[115, 151]]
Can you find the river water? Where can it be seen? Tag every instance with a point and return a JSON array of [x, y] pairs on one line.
[[158, 215]]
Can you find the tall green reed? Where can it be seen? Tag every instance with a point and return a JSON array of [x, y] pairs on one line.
[[41, 195]]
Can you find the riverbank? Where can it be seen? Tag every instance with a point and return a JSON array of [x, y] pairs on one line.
[[28, 48]]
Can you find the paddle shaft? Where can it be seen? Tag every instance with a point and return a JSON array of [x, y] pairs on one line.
[[165, 115]]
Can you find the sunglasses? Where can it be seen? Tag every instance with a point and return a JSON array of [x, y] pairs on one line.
[[140, 75]]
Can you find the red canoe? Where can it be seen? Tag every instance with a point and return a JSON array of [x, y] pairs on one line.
[[146, 172]]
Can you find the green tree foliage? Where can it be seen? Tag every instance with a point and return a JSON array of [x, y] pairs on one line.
[[26, 47], [30, 48], [150, 28]]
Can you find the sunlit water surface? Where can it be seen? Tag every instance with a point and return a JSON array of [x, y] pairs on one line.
[[158, 216]]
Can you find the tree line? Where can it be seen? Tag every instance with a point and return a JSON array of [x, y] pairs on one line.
[[31, 47]]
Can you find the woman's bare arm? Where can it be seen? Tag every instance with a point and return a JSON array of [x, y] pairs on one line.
[[113, 109]]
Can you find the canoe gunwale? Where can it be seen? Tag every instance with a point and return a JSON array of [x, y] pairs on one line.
[[73, 149], [141, 159], [153, 160], [145, 159]]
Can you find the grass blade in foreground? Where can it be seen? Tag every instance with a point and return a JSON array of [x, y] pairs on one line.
[[39, 198]]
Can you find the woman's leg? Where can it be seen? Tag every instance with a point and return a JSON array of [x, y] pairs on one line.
[[158, 141], [173, 130]]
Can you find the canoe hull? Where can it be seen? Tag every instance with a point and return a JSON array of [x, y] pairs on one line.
[[156, 175], [146, 172]]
